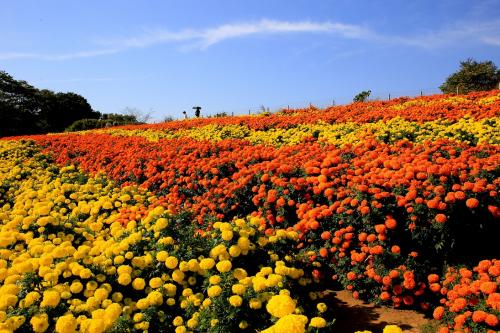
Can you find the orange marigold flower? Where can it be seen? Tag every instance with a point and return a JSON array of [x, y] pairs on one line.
[[491, 320], [472, 203], [440, 218], [432, 278], [478, 316], [488, 287], [438, 313]]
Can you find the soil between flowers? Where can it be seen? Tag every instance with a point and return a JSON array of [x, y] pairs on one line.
[[353, 315]]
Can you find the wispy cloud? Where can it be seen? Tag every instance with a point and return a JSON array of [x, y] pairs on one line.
[[466, 32], [462, 33], [211, 36]]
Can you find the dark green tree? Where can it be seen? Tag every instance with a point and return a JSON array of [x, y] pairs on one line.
[[472, 76], [19, 109], [69, 107], [25, 109], [362, 96]]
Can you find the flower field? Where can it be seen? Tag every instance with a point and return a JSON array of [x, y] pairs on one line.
[[245, 223]]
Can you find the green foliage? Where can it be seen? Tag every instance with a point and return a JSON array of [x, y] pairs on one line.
[[362, 96], [106, 120], [472, 76], [25, 109]]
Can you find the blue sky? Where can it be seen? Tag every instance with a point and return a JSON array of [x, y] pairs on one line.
[[229, 55]]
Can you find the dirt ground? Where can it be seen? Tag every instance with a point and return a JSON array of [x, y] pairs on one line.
[[353, 315]]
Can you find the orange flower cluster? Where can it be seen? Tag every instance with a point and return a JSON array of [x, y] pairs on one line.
[[378, 217], [383, 219], [421, 109], [470, 298]]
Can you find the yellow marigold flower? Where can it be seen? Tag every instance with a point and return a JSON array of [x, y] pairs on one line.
[[117, 297], [119, 260], [243, 325], [224, 266], [124, 279], [321, 307], [142, 304], [160, 224], [239, 274], [171, 262], [85, 273], [40, 322], [244, 243], [181, 329], [192, 323], [234, 251], [171, 289], [178, 321], [317, 322], [235, 300], [392, 329], [193, 265], [255, 303], [13, 323], [138, 283], [138, 317], [31, 298], [291, 324], [259, 283], [214, 291], [178, 276], [155, 282], [97, 326], [66, 324], [227, 235], [280, 305], [155, 297], [50, 298], [101, 294], [238, 289], [124, 269], [214, 279], [162, 256]]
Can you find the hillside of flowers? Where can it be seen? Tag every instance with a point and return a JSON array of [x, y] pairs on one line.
[[246, 223]]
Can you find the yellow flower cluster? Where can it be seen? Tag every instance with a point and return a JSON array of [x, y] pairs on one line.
[[387, 329], [465, 130], [67, 264]]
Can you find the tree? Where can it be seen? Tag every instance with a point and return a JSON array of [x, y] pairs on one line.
[[362, 96], [25, 109], [59, 110], [19, 107], [139, 115], [472, 76]]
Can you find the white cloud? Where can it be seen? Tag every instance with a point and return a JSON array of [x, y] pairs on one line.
[[491, 40], [463, 33], [482, 32], [210, 36], [216, 35]]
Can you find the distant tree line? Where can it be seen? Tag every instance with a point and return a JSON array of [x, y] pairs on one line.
[[25, 109]]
